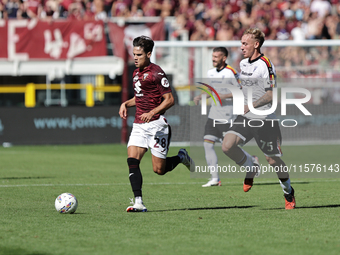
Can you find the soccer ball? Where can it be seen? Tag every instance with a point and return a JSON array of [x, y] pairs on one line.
[[66, 203]]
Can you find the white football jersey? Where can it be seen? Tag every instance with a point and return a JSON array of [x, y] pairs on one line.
[[259, 75], [218, 78]]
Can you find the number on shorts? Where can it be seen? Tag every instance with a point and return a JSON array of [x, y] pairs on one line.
[[161, 142], [269, 145]]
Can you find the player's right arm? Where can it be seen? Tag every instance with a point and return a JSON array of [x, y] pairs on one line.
[[198, 98], [123, 107]]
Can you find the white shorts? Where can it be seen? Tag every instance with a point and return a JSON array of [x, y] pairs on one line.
[[154, 135]]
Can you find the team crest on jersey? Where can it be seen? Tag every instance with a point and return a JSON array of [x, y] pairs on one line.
[[135, 79], [144, 76]]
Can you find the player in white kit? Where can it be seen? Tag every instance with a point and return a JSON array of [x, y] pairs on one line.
[[222, 74], [257, 73]]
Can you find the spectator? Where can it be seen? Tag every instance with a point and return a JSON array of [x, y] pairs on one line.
[[168, 8], [88, 12], [119, 8], [202, 32], [282, 33], [99, 10], [321, 7], [75, 11], [298, 32], [11, 7], [225, 33], [3, 12], [33, 8], [50, 10], [314, 26]]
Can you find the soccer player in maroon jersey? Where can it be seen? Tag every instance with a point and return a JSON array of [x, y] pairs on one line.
[[150, 129]]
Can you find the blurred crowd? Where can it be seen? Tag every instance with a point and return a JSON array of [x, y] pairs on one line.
[[55, 9], [278, 19], [212, 20], [199, 19]]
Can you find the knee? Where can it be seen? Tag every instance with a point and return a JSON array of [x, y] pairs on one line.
[[158, 171], [273, 161], [226, 148], [270, 160]]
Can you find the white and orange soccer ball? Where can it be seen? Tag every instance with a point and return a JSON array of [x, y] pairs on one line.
[[66, 203]]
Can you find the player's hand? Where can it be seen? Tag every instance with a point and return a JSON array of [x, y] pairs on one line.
[[246, 109], [123, 111], [146, 117], [197, 99]]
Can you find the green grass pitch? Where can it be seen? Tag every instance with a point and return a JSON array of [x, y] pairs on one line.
[[182, 217]]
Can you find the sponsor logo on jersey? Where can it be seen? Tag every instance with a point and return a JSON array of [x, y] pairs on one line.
[[161, 73], [135, 79], [247, 74], [249, 82], [216, 81], [138, 88]]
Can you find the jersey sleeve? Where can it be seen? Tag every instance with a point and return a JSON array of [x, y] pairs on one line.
[[269, 74], [234, 77], [162, 82]]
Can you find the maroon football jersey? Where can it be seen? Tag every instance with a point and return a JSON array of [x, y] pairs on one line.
[[149, 86]]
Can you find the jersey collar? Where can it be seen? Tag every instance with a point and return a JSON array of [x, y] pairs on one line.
[[252, 61], [146, 68], [221, 69]]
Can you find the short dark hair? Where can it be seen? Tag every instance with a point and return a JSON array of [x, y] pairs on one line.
[[221, 49], [145, 42]]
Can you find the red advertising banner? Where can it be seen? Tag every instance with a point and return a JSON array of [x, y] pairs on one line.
[[33, 39], [122, 36]]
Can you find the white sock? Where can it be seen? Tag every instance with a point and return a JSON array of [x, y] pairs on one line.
[[287, 189], [249, 160], [211, 158], [138, 200]]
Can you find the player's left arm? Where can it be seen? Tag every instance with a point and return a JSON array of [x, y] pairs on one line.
[[168, 102], [232, 80], [265, 99], [225, 96], [269, 84]]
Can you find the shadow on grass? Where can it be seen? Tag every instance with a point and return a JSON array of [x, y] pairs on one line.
[[307, 207], [318, 206], [264, 183], [18, 251], [276, 183], [24, 178], [206, 208]]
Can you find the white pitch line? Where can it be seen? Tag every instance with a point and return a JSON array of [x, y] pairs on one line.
[[93, 184], [157, 183]]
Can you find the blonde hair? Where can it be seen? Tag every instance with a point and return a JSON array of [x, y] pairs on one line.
[[256, 33]]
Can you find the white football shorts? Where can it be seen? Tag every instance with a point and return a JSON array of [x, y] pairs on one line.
[[154, 135]]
